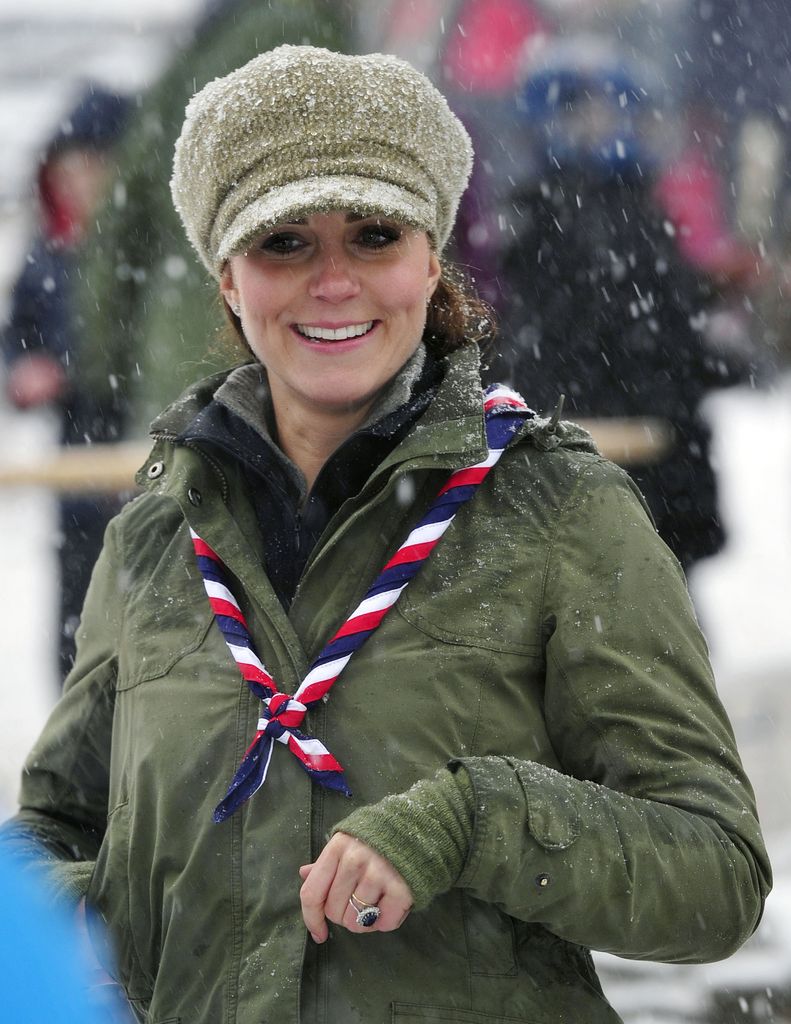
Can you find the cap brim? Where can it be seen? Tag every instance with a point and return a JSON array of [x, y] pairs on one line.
[[297, 199]]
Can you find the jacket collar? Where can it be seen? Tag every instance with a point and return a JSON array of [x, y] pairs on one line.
[[238, 421], [451, 432], [451, 428]]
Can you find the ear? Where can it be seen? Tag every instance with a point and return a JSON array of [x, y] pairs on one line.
[[434, 274], [228, 289]]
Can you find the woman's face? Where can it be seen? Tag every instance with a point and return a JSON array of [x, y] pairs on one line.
[[333, 306]]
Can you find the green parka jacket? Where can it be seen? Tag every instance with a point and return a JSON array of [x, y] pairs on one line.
[[548, 643]]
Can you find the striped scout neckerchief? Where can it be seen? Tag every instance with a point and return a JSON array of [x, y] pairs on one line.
[[282, 715]]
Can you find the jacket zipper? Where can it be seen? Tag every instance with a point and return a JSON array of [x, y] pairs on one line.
[[297, 532]]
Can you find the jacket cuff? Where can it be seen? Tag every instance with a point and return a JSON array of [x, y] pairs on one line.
[[424, 833], [67, 881], [508, 792]]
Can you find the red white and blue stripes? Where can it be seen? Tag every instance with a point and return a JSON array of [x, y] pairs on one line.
[[282, 716]]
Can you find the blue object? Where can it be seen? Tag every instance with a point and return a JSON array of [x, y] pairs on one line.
[[587, 107], [44, 980], [97, 121]]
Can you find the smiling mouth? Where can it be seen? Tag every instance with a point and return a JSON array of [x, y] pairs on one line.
[[319, 334]]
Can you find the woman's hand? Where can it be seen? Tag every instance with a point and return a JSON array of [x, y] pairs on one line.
[[35, 379], [345, 866]]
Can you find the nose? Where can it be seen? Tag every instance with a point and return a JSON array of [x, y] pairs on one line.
[[334, 278]]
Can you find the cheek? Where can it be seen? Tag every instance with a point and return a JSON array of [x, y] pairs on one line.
[[263, 289], [257, 295], [404, 293]]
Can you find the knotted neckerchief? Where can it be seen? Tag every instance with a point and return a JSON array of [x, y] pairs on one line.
[[282, 715]]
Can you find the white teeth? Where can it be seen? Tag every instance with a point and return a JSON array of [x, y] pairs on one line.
[[341, 334]]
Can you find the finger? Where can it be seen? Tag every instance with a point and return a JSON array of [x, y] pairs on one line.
[[373, 880], [347, 880], [358, 869], [354, 862], [305, 870], [394, 909], [362, 900], [404, 916], [313, 893]]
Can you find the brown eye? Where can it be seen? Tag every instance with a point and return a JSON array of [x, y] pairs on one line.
[[282, 243], [378, 236]]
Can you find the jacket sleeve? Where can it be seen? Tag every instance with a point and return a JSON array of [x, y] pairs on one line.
[[64, 793], [36, 320], [647, 843]]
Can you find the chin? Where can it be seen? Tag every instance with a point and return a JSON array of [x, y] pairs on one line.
[[345, 402], [347, 395]]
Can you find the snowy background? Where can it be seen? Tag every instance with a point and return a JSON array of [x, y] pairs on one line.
[[743, 595], [48, 48]]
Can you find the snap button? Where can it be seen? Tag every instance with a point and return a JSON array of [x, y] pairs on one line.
[[194, 496], [156, 469], [543, 881]]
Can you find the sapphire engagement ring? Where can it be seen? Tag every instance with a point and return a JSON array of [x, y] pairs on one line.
[[367, 913]]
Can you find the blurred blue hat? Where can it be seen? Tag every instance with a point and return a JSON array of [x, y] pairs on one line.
[[589, 105], [95, 122]]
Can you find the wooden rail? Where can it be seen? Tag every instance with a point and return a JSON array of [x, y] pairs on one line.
[[112, 467]]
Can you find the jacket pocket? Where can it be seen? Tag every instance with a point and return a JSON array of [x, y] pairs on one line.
[[167, 617], [473, 627], [491, 941], [475, 593], [412, 1013], [108, 910]]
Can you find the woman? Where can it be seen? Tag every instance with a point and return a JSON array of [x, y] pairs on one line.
[[526, 729]]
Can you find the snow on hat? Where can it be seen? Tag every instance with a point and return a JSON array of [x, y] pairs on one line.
[[302, 130]]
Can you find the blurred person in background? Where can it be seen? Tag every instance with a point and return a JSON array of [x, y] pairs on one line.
[[143, 298], [599, 303], [738, 79], [474, 50], [41, 338]]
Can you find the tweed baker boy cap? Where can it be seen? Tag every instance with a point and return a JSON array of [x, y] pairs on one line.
[[302, 130]]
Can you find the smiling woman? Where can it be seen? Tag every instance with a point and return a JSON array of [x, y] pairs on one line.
[[522, 717], [333, 306]]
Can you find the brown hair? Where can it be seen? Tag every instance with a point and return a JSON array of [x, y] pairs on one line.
[[456, 316]]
